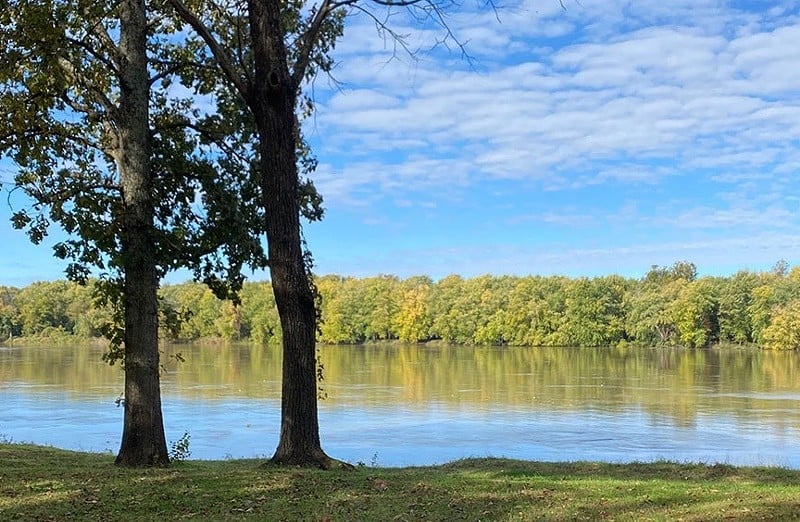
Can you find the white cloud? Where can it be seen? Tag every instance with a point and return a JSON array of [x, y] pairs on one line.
[[676, 90], [685, 114]]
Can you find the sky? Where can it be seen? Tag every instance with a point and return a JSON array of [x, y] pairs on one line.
[[599, 138]]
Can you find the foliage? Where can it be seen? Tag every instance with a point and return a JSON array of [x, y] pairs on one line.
[[783, 332], [735, 297], [45, 483], [179, 449], [521, 311], [60, 86], [696, 313]]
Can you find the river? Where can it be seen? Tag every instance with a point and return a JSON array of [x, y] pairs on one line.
[[396, 405]]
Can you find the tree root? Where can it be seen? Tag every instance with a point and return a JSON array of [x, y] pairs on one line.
[[313, 459]]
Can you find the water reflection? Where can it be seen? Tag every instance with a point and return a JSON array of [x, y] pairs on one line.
[[422, 404]]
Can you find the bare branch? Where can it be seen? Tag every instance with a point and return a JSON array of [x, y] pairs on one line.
[[434, 11], [384, 29], [343, 3], [399, 3], [221, 56], [421, 10]]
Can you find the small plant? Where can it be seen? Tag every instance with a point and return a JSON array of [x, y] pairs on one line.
[[179, 449], [373, 462]]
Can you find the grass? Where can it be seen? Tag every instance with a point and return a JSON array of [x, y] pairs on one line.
[[39, 483]]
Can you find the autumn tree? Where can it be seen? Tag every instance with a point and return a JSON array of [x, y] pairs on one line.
[[9, 322], [342, 310], [260, 322], [650, 305], [413, 319], [141, 183], [735, 298], [696, 312], [594, 314], [783, 332], [381, 298]]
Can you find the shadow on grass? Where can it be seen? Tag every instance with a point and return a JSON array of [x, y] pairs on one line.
[[48, 484]]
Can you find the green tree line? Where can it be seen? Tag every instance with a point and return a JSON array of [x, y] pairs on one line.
[[669, 306]]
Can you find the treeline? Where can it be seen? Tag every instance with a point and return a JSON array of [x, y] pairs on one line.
[[668, 306]]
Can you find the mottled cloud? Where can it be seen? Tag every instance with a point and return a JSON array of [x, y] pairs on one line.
[[675, 123]]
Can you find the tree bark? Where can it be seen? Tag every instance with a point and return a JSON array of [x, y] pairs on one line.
[[143, 439], [272, 99]]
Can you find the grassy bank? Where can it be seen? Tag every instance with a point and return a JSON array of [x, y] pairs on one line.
[[48, 484]]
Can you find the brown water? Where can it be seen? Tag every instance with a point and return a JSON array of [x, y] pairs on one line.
[[402, 405]]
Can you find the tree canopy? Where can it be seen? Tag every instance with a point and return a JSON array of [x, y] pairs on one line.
[[141, 180], [746, 308]]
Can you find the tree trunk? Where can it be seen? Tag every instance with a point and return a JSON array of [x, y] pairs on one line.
[[272, 100], [143, 440]]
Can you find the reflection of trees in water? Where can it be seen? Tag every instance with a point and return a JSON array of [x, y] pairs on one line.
[[676, 383]]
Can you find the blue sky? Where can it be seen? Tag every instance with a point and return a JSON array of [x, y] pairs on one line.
[[601, 138]]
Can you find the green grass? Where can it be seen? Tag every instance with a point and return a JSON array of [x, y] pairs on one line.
[[49, 484]]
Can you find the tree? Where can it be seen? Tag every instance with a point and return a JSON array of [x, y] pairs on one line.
[[249, 43], [382, 301], [413, 320], [736, 295], [9, 321], [342, 310], [696, 313], [62, 63], [679, 270], [260, 320], [266, 50], [104, 150], [651, 312], [783, 332], [594, 312], [42, 307], [448, 322]]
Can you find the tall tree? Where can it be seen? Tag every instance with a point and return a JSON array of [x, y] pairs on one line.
[[120, 167], [62, 65], [266, 50], [249, 42]]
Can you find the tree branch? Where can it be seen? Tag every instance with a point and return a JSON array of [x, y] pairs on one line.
[[220, 55], [109, 63], [101, 33], [307, 41], [172, 67], [382, 27], [212, 136], [99, 96]]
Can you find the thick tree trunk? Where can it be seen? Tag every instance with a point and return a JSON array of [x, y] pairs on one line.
[[143, 440], [273, 102]]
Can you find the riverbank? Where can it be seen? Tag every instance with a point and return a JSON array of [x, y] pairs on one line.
[[38, 483]]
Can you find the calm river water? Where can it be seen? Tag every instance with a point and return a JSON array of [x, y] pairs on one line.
[[393, 405]]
